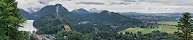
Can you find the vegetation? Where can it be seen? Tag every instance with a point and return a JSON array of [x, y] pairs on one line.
[[28, 36], [168, 22], [154, 35], [185, 27], [163, 26], [91, 26], [167, 29], [104, 21], [51, 21], [10, 20]]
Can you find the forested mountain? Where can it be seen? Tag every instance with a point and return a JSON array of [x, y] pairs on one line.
[[103, 21], [52, 17], [44, 11], [25, 14], [48, 10]]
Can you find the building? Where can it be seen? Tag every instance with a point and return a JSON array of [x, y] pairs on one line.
[[66, 27]]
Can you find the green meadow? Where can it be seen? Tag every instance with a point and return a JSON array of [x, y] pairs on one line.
[[168, 22], [162, 28]]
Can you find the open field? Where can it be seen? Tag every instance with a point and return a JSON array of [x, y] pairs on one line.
[[168, 22], [167, 29], [162, 28]]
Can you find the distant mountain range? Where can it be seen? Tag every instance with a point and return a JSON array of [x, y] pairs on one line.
[[54, 16], [81, 11], [51, 18]]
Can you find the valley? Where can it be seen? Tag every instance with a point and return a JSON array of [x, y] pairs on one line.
[[96, 20], [80, 24]]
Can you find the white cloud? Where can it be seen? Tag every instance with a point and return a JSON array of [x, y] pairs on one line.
[[116, 5], [29, 4]]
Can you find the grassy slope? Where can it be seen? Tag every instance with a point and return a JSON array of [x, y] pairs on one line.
[[162, 28], [168, 22]]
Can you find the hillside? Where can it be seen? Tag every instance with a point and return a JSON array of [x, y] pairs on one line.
[[25, 14], [51, 18]]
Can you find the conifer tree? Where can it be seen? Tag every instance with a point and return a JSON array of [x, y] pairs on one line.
[[184, 27], [10, 21]]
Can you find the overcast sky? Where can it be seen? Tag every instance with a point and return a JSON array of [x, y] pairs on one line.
[[114, 5]]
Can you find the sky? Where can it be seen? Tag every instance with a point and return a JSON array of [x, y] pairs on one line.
[[144, 6]]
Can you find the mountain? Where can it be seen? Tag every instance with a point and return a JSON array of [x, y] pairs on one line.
[[50, 13], [102, 21], [46, 14], [25, 14], [81, 11], [93, 10], [44, 11], [50, 19], [50, 9], [105, 17]]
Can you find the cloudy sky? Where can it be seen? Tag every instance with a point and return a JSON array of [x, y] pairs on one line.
[[114, 5]]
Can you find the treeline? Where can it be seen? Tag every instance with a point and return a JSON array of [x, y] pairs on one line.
[[73, 35]]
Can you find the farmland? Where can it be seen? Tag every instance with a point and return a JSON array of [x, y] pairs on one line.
[[163, 28]]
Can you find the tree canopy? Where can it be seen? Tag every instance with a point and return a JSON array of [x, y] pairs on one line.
[[185, 27], [10, 21]]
